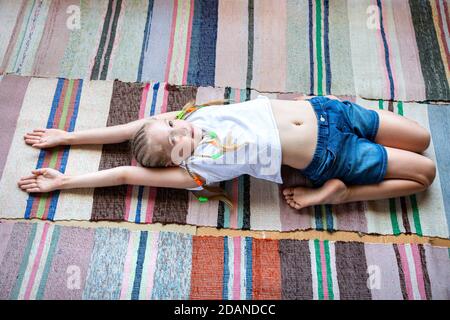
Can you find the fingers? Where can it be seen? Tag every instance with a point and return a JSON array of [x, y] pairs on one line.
[[39, 171], [25, 182], [28, 177], [33, 135], [28, 186], [33, 190], [35, 138]]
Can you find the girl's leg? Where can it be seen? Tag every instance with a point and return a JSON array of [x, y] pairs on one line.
[[407, 173], [400, 132]]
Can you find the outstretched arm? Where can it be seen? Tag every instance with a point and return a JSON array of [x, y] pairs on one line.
[[47, 179], [47, 138]]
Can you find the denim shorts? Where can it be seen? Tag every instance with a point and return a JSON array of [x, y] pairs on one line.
[[345, 146]]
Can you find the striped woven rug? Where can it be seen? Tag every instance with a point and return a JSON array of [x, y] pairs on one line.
[[381, 49], [46, 261], [28, 103]]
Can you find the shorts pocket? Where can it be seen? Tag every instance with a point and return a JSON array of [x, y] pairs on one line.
[[328, 165]]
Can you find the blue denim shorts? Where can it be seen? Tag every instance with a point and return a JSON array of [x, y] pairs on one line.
[[345, 146]]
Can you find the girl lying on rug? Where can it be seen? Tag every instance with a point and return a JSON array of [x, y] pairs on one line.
[[349, 153]]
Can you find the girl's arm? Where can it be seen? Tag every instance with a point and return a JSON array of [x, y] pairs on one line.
[[113, 134], [47, 179], [47, 138]]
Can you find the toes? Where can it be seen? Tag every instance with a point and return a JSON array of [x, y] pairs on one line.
[[293, 204], [288, 191]]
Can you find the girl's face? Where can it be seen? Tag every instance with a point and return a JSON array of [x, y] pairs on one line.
[[179, 138]]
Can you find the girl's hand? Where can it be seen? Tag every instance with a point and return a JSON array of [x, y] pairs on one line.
[[46, 138], [42, 180]]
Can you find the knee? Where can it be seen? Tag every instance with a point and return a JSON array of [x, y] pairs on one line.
[[428, 172], [424, 139]]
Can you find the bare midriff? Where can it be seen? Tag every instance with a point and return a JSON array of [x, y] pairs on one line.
[[297, 126]]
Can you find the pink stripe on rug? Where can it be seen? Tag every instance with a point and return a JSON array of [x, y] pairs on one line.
[[237, 94], [324, 270], [127, 268], [172, 34], [406, 272], [56, 35], [237, 268], [12, 92], [37, 259], [419, 271], [188, 44], [235, 195], [165, 99]]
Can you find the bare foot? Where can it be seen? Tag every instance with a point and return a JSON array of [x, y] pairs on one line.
[[332, 192]]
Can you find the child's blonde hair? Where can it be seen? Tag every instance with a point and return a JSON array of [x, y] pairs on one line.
[[146, 152], [150, 154]]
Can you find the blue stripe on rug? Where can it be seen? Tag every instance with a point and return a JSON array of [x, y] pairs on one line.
[[139, 265], [438, 116]]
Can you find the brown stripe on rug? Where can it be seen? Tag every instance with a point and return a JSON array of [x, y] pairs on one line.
[[171, 205], [401, 274], [12, 92], [351, 269], [426, 277], [296, 278], [109, 202], [54, 39]]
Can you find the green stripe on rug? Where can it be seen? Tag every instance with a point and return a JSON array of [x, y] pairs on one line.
[[326, 245], [393, 213], [400, 107], [48, 262], [319, 46], [63, 119], [54, 158], [319, 270]]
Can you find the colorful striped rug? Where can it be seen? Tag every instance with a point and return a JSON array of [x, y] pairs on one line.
[[378, 49], [29, 103], [47, 261]]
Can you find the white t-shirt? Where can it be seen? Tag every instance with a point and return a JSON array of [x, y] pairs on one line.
[[251, 125]]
